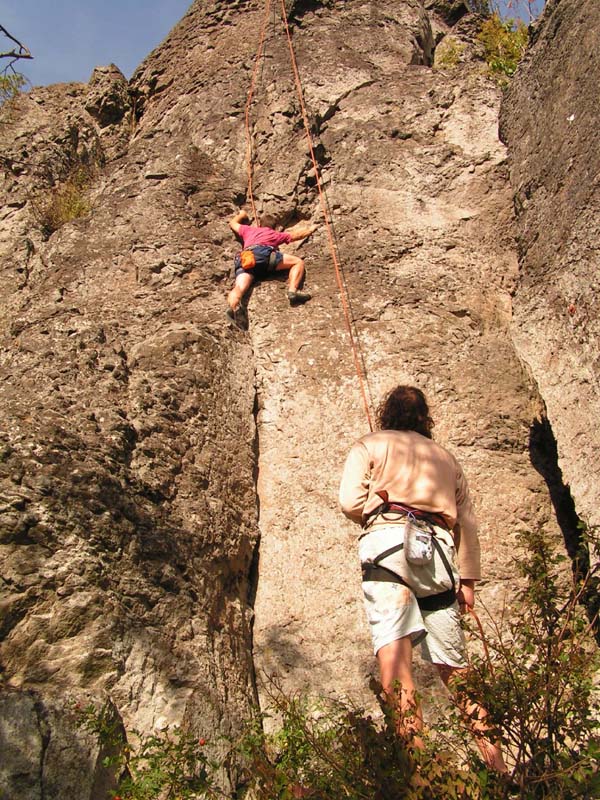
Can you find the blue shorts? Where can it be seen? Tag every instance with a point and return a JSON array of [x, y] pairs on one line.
[[262, 254]]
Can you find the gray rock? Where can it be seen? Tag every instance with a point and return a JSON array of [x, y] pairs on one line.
[[46, 754], [549, 123], [107, 97]]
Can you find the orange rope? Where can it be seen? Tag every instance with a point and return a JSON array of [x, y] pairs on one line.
[[257, 58], [344, 296], [334, 256], [475, 616]]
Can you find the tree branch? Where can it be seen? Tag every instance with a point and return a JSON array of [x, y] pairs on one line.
[[19, 52]]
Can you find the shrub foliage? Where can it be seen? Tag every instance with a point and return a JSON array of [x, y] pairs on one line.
[[537, 680], [449, 53], [504, 44], [66, 201], [11, 84], [535, 675]]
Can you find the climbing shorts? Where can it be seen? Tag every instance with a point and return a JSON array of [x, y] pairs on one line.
[[393, 612], [265, 264]]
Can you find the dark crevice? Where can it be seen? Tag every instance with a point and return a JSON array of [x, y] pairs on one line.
[[544, 458], [297, 9], [253, 573], [44, 732], [253, 570]]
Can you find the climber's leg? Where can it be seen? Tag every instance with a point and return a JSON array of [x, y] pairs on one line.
[[295, 265], [477, 719], [236, 310], [243, 281]]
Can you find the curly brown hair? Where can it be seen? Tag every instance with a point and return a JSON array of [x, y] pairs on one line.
[[405, 409], [269, 221]]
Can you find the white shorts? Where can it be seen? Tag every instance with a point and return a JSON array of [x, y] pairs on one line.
[[393, 612]]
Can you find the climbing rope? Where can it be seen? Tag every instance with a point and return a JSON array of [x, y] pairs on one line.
[[344, 294], [482, 638], [257, 59]]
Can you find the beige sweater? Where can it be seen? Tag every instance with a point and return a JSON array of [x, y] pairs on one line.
[[417, 472]]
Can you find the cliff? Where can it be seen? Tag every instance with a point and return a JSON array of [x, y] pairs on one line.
[[548, 122], [169, 529]]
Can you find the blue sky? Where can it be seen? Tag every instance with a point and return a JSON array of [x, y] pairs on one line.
[[518, 9], [68, 38]]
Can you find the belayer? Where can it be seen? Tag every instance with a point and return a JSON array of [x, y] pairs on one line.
[[261, 257], [420, 557]]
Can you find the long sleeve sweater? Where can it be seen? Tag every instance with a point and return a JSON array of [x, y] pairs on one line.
[[417, 472]]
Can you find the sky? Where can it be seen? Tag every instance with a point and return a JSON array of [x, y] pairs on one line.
[[68, 38]]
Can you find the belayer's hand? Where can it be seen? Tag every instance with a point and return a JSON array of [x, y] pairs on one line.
[[466, 595]]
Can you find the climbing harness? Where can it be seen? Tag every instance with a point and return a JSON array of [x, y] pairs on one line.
[[390, 507], [358, 358], [374, 570], [256, 256]]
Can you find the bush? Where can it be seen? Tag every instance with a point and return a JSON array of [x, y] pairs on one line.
[[173, 765], [535, 676], [66, 201], [536, 679], [330, 749], [504, 44], [11, 84], [448, 53]]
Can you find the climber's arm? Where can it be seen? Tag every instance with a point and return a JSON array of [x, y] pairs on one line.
[[301, 233], [234, 222]]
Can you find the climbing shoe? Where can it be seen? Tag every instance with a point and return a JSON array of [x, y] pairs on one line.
[[297, 298], [239, 317]]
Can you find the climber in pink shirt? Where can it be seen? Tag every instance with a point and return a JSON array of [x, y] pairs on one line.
[[261, 257]]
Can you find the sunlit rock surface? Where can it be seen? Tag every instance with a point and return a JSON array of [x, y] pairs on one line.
[[169, 524]]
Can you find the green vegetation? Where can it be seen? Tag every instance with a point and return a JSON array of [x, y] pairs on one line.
[[449, 53], [536, 678], [170, 766], [66, 201], [328, 749], [504, 44], [11, 81], [11, 84], [534, 675], [322, 749]]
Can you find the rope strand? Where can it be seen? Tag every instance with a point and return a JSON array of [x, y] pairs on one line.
[[257, 58], [343, 291]]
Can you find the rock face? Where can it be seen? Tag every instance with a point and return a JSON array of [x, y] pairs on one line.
[[46, 754], [129, 515], [169, 521], [549, 122]]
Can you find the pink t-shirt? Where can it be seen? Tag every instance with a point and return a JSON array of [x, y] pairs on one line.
[[252, 235]]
